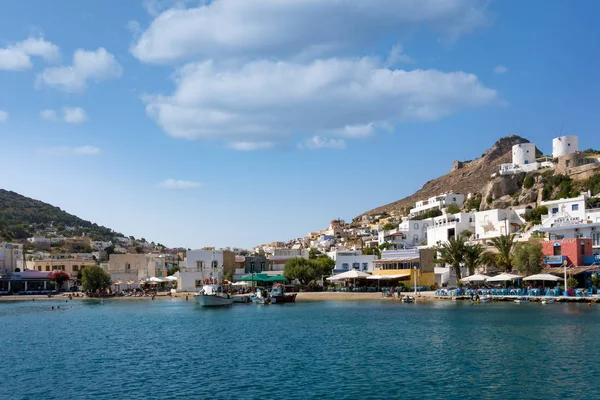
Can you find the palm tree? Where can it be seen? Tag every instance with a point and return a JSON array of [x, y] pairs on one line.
[[505, 245], [452, 252], [473, 256]]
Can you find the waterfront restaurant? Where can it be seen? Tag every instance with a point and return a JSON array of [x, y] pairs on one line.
[[410, 265], [28, 281]]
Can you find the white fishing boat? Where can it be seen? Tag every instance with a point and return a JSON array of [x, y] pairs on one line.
[[213, 296]]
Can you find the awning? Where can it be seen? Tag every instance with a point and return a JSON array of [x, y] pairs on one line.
[[395, 260], [256, 278], [276, 278], [388, 277], [572, 270], [543, 277]]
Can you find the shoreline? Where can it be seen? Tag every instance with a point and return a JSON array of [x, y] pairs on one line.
[[307, 297]]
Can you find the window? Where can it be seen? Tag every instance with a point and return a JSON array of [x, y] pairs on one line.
[[47, 268], [200, 264], [575, 207], [39, 268], [557, 250], [365, 266], [596, 239], [345, 266], [554, 210], [75, 268], [355, 265], [416, 226], [215, 264], [127, 266]]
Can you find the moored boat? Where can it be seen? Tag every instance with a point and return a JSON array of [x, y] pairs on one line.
[[213, 296], [278, 295], [548, 301], [260, 297]]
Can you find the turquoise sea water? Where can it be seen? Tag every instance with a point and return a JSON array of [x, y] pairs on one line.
[[173, 349]]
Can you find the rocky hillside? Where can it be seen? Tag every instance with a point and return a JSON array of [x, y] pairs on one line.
[[475, 177]]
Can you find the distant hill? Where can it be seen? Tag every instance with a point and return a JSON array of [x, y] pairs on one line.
[[22, 217]]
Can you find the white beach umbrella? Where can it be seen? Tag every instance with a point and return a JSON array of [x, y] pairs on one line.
[[155, 280], [352, 274], [504, 277], [171, 278], [475, 278], [543, 277]]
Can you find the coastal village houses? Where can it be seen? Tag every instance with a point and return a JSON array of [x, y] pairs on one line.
[[136, 267]]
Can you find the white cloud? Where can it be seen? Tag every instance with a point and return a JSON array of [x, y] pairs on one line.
[[17, 56], [266, 28], [74, 115], [251, 146], [265, 103], [318, 142], [179, 184], [71, 115], [3, 116], [500, 69], [87, 65], [67, 150], [397, 56]]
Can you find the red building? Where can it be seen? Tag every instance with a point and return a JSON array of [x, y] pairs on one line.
[[575, 251]]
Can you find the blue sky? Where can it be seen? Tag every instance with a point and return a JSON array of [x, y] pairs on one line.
[[237, 122]]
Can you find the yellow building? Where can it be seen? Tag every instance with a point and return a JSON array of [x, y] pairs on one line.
[[71, 266], [407, 265]]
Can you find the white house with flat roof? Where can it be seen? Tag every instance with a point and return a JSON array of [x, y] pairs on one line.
[[449, 225], [346, 260], [494, 223], [410, 233], [438, 202], [564, 211]]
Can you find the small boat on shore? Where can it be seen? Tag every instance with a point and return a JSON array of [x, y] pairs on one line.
[[213, 296], [548, 301], [522, 300]]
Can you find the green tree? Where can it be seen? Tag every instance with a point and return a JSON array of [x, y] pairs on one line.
[[314, 253], [94, 278], [173, 269], [505, 245], [305, 270], [528, 182], [466, 234], [372, 251], [489, 199], [452, 253], [535, 215], [472, 256], [389, 226], [528, 258], [385, 246], [453, 209]]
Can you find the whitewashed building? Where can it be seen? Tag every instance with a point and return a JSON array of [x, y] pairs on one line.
[[346, 260], [494, 223], [438, 202], [449, 225], [202, 265], [11, 258]]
